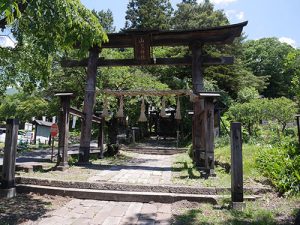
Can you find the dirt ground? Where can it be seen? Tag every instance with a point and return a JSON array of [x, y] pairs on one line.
[[28, 207]]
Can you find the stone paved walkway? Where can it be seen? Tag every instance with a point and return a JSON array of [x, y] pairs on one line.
[[141, 169], [84, 212]]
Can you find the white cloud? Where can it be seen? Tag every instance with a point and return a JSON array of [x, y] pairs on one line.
[[288, 40], [220, 2], [240, 15], [235, 15]]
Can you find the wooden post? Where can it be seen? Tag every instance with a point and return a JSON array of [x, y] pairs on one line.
[[101, 138], [210, 158], [197, 73], [86, 124], [298, 126], [198, 130], [63, 127], [8, 183], [237, 195]]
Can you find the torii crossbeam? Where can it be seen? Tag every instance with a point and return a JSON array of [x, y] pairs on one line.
[[142, 41]]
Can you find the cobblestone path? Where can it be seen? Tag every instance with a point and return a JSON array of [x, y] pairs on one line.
[[141, 169], [84, 212]]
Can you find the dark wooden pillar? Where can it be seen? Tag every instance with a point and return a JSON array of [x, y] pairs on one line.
[[101, 138], [210, 158], [237, 195], [199, 126], [63, 127], [89, 97], [8, 182], [197, 70], [298, 127]]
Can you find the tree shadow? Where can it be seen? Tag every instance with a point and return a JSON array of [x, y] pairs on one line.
[[232, 217], [22, 208], [183, 166]]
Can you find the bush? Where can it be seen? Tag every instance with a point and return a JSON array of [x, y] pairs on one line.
[[112, 150], [278, 111], [281, 164]]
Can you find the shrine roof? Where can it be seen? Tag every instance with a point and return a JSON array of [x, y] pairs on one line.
[[213, 35]]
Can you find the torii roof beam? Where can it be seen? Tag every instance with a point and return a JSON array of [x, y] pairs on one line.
[[142, 41], [214, 35]]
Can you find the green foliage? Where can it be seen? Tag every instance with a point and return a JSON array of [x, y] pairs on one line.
[[282, 110], [266, 57], [292, 66], [191, 15], [23, 107], [59, 24], [46, 31], [281, 164], [145, 14], [279, 110], [249, 114], [106, 20], [247, 94]]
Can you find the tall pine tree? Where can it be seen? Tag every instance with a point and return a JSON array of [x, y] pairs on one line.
[[148, 14], [191, 15]]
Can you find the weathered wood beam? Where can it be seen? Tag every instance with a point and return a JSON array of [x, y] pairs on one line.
[[207, 61], [80, 114], [8, 182], [63, 124], [88, 107], [213, 35], [237, 194]]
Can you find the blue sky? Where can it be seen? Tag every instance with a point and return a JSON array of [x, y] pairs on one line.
[[267, 18]]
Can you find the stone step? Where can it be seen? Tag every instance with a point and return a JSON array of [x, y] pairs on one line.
[[171, 188], [124, 196], [27, 167], [155, 151]]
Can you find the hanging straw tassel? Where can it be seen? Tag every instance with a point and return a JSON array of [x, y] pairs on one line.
[[74, 121], [120, 113], [105, 108], [178, 113], [143, 117], [163, 108]]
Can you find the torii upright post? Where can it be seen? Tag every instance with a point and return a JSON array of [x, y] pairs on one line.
[[89, 99], [198, 125]]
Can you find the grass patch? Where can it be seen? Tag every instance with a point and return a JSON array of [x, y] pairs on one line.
[[122, 158], [185, 173], [270, 210]]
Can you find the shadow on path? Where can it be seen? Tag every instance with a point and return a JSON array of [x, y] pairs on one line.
[[22, 208]]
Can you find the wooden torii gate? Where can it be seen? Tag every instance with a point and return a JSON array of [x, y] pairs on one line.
[[142, 41]]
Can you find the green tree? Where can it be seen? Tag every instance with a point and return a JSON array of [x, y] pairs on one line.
[[247, 94], [282, 110], [248, 113], [190, 15], [266, 57], [292, 67], [46, 32], [23, 107], [106, 20], [146, 14]]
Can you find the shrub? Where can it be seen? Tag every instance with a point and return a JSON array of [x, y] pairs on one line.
[[281, 164]]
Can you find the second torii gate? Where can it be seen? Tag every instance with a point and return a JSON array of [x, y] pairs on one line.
[[142, 41]]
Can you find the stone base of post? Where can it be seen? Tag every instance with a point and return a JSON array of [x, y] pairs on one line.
[[8, 193], [240, 206], [63, 166]]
